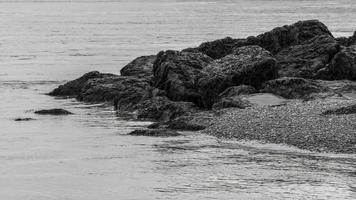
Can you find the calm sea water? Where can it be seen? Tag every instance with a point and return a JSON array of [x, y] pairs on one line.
[[88, 155]]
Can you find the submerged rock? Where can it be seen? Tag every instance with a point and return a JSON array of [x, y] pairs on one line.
[[140, 67], [55, 111], [343, 65], [23, 119], [155, 133], [73, 88], [249, 65], [175, 72]]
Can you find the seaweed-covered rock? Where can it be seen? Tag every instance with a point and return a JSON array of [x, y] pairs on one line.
[[73, 88], [126, 90], [306, 59], [282, 37], [175, 72], [155, 133], [55, 111], [293, 88], [249, 65], [219, 48], [140, 67], [343, 65]]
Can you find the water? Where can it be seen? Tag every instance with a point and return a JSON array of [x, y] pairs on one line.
[[89, 156]]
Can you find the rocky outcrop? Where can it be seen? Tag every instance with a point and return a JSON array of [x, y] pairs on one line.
[[343, 65], [56, 111], [293, 88], [285, 36], [306, 59], [175, 73], [250, 65], [73, 88], [140, 67]]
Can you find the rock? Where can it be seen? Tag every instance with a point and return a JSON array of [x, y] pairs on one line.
[[238, 90], [73, 88], [231, 102], [126, 91], [163, 109], [293, 88], [192, 121], [306, 59], [155, 133], [249, 65], [344, 41], [219, 48], [56, 111], [23, 119], [347, 110], [140, 67], [282, 37], [343, 65], [175, 72]]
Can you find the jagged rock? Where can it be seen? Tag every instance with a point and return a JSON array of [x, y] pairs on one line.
[[344, 41], [163, 109], [343, 65], [155, 133], [219, 48], [126, 91], [306, 59], [282, 37], [140, 67], [249, 65], [293, 88], [175, 72], [56, 111], [73, 88], [238, 90]]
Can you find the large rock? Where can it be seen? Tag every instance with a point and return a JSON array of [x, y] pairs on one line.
[[343, 65], [140, 67], [73, 88], [219, 48], [293, 88], [126, 91], [250, 65], [175, 72], [306, 59], [282, 37]]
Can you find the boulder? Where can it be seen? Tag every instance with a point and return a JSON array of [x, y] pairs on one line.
[[293, 88], [126, 91], [140, 67], [219, 48], [282, 37], [343, 65], [155, 133], [249, 65], [306, 59], [73, 88], [238, 90], [56, 111], [175, 72]]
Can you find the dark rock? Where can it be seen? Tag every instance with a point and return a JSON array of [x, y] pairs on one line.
[[126, 91], [140, 67], [163, 109], [155, 133], [306, 59], [192, 121], [231, 102], [23, 119], [185, 126], [175, 72], [293, 88], [154, 125], [343, 65], [73, 88], [238, 90], [344, 41], [56, 111], [219, 48], [282, 37], [347, 110], [249, 65]]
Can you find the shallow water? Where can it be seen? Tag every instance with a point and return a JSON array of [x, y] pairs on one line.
[[89, 156]]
